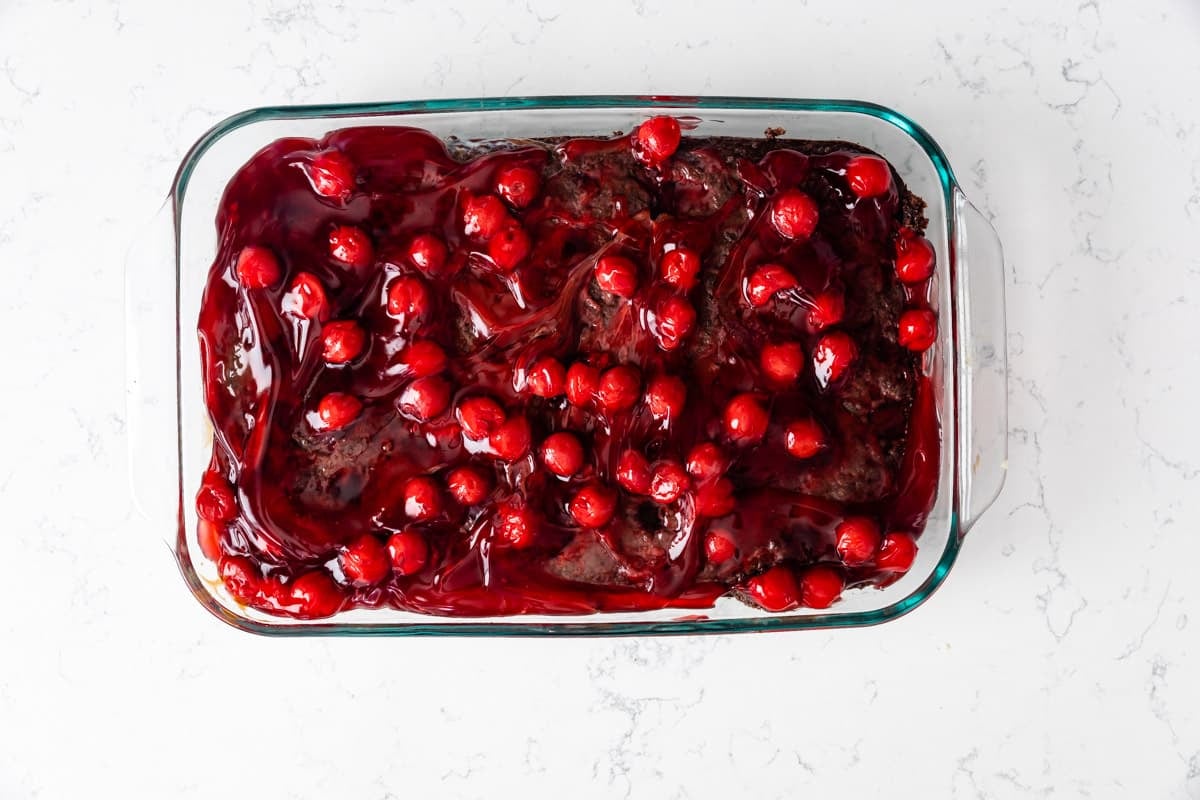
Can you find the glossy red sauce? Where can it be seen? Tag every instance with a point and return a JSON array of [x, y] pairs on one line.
[[299, 495]]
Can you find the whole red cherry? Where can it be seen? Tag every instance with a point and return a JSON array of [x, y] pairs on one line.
[[832, 356], [782, 362], [546, 377], [633, 472], [896, 552], [617, 275], [351, 245], [767, 281], [342, 341], [562, 454], [479, 416], [422, 498], [774, 590], [868, 176], [618, 390], [428, 253], [745, 419], [856, 540], [364, 560], [804, 438], [914, 257], [515, 524], [918, 329], [593, 505], [408, 551], [468, 485], [820, 586], [257, 268], [719, 546], [794, 214], [337, 410], [424, 398], [679, 267], [519, 185], [657, 139], [331, 175], [511, 438]]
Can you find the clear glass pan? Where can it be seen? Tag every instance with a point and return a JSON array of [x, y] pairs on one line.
[[170, 438]]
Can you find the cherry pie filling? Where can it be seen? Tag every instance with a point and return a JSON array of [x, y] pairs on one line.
[[564, 376]]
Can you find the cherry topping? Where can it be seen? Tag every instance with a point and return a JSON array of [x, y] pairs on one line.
[[240, 577], [679, 267], [408, 552], [633, 472], [914, 257], [794, 214], [675, 319], [342, 341], [316, 595], [484, 216], [715, 499], [774, 590], [718, 547], [857, 540], [337, 410], [351, 245], [665, 397], [707, 462], [215, 501], [515, 525], [918, 329], [593, 505], [562, 454], [896, 553], [827, 310], [479, 417], [425, 398], [832, 356], [407, 298], [468, 485], [782, 363], [546, 377], [617, 275], [508, 247], [257, 268], [331, 175], [804, 438], [618, 389], [511, 439], [208, 535], [364, 560], [423, 358], [657, 139], [306, 298], [668, 482], [820, 585], [765, 282], [428, 253], [868, 176], [745, 419], [583, 382], [518, 185], [422, 498]]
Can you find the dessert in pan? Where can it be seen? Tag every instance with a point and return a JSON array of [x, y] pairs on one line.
[[565, 375]]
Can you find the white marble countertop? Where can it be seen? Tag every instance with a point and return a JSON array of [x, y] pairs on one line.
[[1060, 659]]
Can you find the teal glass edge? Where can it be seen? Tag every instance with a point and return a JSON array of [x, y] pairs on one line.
[[520, 629]]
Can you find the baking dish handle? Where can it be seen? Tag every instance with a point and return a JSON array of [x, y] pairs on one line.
[[982, 379], [151, 388]]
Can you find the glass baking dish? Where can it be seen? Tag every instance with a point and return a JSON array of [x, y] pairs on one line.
[[170, 436]]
